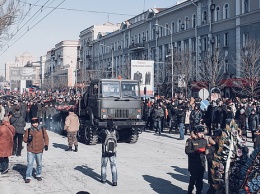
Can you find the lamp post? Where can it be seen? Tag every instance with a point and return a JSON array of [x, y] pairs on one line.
[[196, 36], [171, 50], [112, 61]]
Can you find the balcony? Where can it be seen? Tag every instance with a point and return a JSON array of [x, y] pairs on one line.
[[136, 47]]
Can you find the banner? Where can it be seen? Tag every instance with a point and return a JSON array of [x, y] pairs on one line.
[[22, 73], [143, 71]]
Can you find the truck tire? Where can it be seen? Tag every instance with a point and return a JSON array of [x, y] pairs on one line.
[[132, 136], [90, 136], [81, 131]]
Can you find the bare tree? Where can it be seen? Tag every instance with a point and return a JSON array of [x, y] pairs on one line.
[[250, 69], [212, 68], [10, 13], [185, 69]]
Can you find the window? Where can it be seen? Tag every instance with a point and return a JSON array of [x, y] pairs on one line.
[[204, 17], [161, 31], [217, 12], [205, 43], [226, 66], [193, 44], [110, 89], [139, 38], [126, 41], [217, 41], [173, 27], [245, 39], [167, 30], [131, 89], [226, 11], [147, 35], [245, 6], [160, 52], [194, 20], [186, 23], [225, 39], [186, 44], [179, 25], [154, 33]]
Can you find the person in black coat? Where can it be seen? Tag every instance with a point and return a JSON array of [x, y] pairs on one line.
[[18, 121], [195, 149], [253, 122], [34, 110]]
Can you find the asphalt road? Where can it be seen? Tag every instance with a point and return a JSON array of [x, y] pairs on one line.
[[155, 164]]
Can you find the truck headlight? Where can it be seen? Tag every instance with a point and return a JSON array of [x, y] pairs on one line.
[[138, 116]]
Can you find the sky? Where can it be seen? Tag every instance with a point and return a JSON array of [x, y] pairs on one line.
[[42, 26]]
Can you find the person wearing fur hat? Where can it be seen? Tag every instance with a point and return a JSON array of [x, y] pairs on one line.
[[37, 140]]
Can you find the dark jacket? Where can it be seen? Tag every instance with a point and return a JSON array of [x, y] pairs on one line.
[[17, 120], [181, 116], [242, 121], [196, 160], [103, 136], [253, 122]]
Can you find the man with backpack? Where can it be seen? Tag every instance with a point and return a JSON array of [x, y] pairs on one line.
[[109, 138]]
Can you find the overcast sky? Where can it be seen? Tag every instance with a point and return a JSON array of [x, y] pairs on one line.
[[66, 23]]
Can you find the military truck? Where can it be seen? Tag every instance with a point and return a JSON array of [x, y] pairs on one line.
[[111, 99]]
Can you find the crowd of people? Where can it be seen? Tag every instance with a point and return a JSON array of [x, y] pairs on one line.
[[185, 116], [182, 115], [178, 115]]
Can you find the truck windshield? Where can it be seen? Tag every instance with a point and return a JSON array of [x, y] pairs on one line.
[[130, 89], [110, 89]]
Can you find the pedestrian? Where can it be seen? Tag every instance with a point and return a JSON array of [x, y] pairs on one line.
[[195, 149], [257, 139], [72, 127], [37, 139], [181, 120], [157, 115], [17, 120], [109, 138], [253, 122], [7, 133], [211, 149]]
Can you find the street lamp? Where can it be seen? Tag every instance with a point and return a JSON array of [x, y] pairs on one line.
[[112, 61], [171, 50]]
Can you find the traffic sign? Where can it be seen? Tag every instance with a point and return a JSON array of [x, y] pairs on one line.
[[203, 93], [204, 105]]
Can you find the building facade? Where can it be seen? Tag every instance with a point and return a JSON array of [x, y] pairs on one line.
[[60, 65], [22, 61], [202, 27]]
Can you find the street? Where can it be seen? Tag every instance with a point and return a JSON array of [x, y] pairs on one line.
[[155, 164]]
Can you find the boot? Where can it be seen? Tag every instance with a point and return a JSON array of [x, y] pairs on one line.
[[76, 148], [69, 148]]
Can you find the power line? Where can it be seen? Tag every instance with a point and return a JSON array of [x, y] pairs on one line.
[[33, 26], [81, 10], [37, 12]]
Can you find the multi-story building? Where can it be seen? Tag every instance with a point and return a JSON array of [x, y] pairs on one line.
[[61, 65], [87, 53], [200, 26], [21, 61]]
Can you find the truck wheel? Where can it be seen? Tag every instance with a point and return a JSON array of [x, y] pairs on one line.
[[81, 131], [132, 136], [90, 136]]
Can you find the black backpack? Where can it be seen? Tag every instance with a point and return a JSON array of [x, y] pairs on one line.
[[110, 144]]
